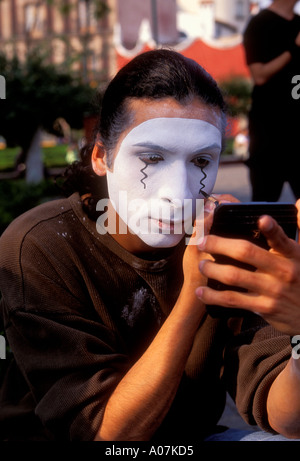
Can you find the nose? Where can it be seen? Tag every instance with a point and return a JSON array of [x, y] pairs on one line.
[[176, 187]]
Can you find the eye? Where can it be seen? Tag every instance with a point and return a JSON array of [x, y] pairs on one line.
[[151, 159], [200, 162]]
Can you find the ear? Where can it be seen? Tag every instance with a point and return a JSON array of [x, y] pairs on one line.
[[98, 159]]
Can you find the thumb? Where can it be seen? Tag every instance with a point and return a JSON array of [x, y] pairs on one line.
[[276, 237]]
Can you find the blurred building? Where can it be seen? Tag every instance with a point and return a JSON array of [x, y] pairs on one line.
[[209, 31], [66, 32], [147, 20], [69, 33], [171, 21], [213, 19]]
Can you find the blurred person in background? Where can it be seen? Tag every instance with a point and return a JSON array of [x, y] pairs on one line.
[[272, 46]]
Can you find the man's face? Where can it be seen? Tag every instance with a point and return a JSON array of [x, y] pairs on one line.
[[162, 162]]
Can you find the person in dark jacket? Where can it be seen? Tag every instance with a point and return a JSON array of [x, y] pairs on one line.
[[272, 46]]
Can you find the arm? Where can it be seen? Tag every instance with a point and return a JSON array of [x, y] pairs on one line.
[[283, 404], [263, 72], [142, 399], [140, 402], [273, 293]]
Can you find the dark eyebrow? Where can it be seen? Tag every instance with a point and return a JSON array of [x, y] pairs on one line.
[[150, 145], [156, 147], [207, 148]]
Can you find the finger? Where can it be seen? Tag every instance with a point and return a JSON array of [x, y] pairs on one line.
[[203, 220], [258, 304], [232, 299], [209, 209], [243, 251], [276, 237], [264, 306], [234, 276]]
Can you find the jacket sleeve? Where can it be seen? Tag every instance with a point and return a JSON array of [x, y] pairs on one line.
[[69, 355], [256, 42], [253, 359], [71, 367]]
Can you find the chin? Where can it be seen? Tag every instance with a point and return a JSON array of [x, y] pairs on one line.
[[161, 240]]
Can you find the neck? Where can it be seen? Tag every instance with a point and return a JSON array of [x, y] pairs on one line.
[[284, 8]]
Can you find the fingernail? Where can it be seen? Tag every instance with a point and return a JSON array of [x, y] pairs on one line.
[[199, 292], [201, 264], [209, 206], [266, 223], [201, 243]]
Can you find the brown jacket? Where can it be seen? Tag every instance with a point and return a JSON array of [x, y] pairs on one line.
[[79, 310]]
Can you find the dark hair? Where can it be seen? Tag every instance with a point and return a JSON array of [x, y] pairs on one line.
[[155, 74]]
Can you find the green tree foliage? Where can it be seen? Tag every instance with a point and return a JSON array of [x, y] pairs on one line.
[[100, 6], [237, 92], [37, 94]]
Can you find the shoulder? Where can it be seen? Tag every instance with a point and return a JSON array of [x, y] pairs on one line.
[[261, 21], [44, 251], [31, 222], [38, 235]]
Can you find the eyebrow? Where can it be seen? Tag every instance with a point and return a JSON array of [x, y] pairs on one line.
[[150, 145], [156, 147]]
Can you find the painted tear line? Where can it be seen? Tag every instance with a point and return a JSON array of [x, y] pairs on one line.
[[143, 171], [201, 182]]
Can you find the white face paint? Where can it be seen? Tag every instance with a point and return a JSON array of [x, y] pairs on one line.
[[163, 162]]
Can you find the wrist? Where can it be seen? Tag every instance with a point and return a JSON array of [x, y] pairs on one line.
[[188, 305]]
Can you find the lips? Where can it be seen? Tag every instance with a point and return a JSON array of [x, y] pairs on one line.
[[169, 226]]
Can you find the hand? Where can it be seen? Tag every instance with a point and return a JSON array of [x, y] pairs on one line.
[[192, 255], [273, 289]]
